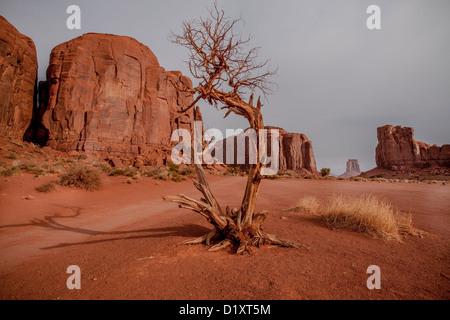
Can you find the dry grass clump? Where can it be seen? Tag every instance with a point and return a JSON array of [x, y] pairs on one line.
[[81, 176], [46, 187], [368, 214], [307, 204], [8, 172]]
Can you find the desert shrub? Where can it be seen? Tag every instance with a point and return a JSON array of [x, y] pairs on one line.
[[173, 167], [28, 154], [175, 176], [367, 214], [358, 179], [232, 171], [11, 156], [173, 173], [103, 166], [274, 176], [380, 180], [152, 172], [46, 187], [8, 172], [187, 171], [163, 175], [81, 176], [280, 175], [307, 204], [32, 167], [325, 172], [125, 171]]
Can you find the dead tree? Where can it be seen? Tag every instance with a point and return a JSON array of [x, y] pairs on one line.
[[228, 76]]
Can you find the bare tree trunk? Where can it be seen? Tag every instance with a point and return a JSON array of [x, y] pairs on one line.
[[241, 227]]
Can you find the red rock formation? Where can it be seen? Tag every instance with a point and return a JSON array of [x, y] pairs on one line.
[[295, 152], [107, 94], [18, 70], [397, 147], [352, 169]]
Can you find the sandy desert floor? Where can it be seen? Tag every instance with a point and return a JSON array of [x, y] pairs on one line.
[[127, 243]]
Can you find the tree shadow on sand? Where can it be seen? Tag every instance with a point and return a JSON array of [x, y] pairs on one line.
[[49, 222]]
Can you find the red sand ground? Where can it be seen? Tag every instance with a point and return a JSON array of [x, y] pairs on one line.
[[126, 241]]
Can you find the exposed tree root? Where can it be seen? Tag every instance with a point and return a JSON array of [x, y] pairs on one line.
[[231, 228]]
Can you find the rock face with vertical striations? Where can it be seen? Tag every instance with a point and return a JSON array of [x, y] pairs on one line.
[[107, 94], [352, 169], [295, 151], [397, 148], [18, 73]]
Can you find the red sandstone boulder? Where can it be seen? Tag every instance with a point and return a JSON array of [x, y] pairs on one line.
[[18, 70], [107, 94], [397, 148]]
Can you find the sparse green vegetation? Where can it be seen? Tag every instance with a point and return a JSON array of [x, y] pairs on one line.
[[187, 171], [232, 171], [32, 167], [358, 179], [81, 176], [325, 172], [173, 167], [8, 172], [152, 172], [125, 171]]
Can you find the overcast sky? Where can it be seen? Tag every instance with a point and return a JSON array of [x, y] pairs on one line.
[[337, 80]]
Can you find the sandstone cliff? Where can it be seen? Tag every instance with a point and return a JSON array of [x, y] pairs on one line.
[[397, 147], [107, 94], [18, 72]]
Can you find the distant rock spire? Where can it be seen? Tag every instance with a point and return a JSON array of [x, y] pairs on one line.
[[352, 169]]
